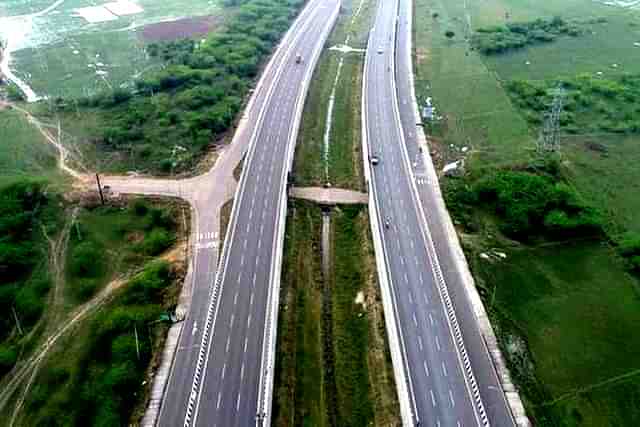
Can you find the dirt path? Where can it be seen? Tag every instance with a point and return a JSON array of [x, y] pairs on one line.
[[63, 153], [28, 369]]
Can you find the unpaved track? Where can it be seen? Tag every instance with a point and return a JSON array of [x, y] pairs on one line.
[[30, 366]]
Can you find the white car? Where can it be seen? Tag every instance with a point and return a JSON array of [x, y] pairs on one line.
[[380, 50], [375, 160]]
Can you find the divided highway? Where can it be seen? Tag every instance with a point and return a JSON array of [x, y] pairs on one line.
[[435, 377], [226, 377]]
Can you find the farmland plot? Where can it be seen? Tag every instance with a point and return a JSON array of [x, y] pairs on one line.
[[79, 47]]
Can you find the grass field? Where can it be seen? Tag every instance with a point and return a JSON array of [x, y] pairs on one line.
[[61, 54], [572, 305], [23, 151]]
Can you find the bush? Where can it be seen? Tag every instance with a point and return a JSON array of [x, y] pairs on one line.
[[529, 204], [140, 207], [449, 34], [499, 39], [86, 260], [8, 358], [157, 241]]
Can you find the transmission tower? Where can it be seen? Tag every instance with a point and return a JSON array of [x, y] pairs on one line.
[[548, 139]]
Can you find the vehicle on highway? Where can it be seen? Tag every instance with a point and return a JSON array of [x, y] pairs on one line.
[[298, 59], [387, 222], [380, 50], [375, 159]]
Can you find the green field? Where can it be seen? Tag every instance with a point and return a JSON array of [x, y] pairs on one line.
[[61, 54], [575, 306], [569, 307], [23, 151]]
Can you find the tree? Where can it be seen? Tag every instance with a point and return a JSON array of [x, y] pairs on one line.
[[450, 34]]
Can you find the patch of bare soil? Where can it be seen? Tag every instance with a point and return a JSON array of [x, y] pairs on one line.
[[180, 28]]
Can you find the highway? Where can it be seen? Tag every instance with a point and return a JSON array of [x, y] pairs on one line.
[[437, 383], [217, 375], [233, 376], [493, 397]]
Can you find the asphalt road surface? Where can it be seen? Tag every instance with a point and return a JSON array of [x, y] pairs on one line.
[[497, 410], [441, 385], [224, 391]]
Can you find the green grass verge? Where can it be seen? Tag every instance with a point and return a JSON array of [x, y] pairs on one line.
[[350, 320], [299, 388]]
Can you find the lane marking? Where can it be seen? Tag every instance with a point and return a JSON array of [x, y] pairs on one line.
[[415, 321], [426, 368], [420, 342], [433, 399], [453, 402], [224, 369], [444, 370], [219, 398], [437, 343]]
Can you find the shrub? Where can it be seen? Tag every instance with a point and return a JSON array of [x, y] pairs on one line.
[[140, 207], [530, 204], [156, 241], [499, 39], [86, 260], [8, 358], [449, 34]]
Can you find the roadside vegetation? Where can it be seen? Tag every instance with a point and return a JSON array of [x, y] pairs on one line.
[[106, 240], [28, 213], [191, 102], [97, 374], [333, 366], [551, 239]]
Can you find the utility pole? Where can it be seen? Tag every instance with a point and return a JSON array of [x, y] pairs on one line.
[[548, 139], [135, 331], [15, 315], [100, 188]]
